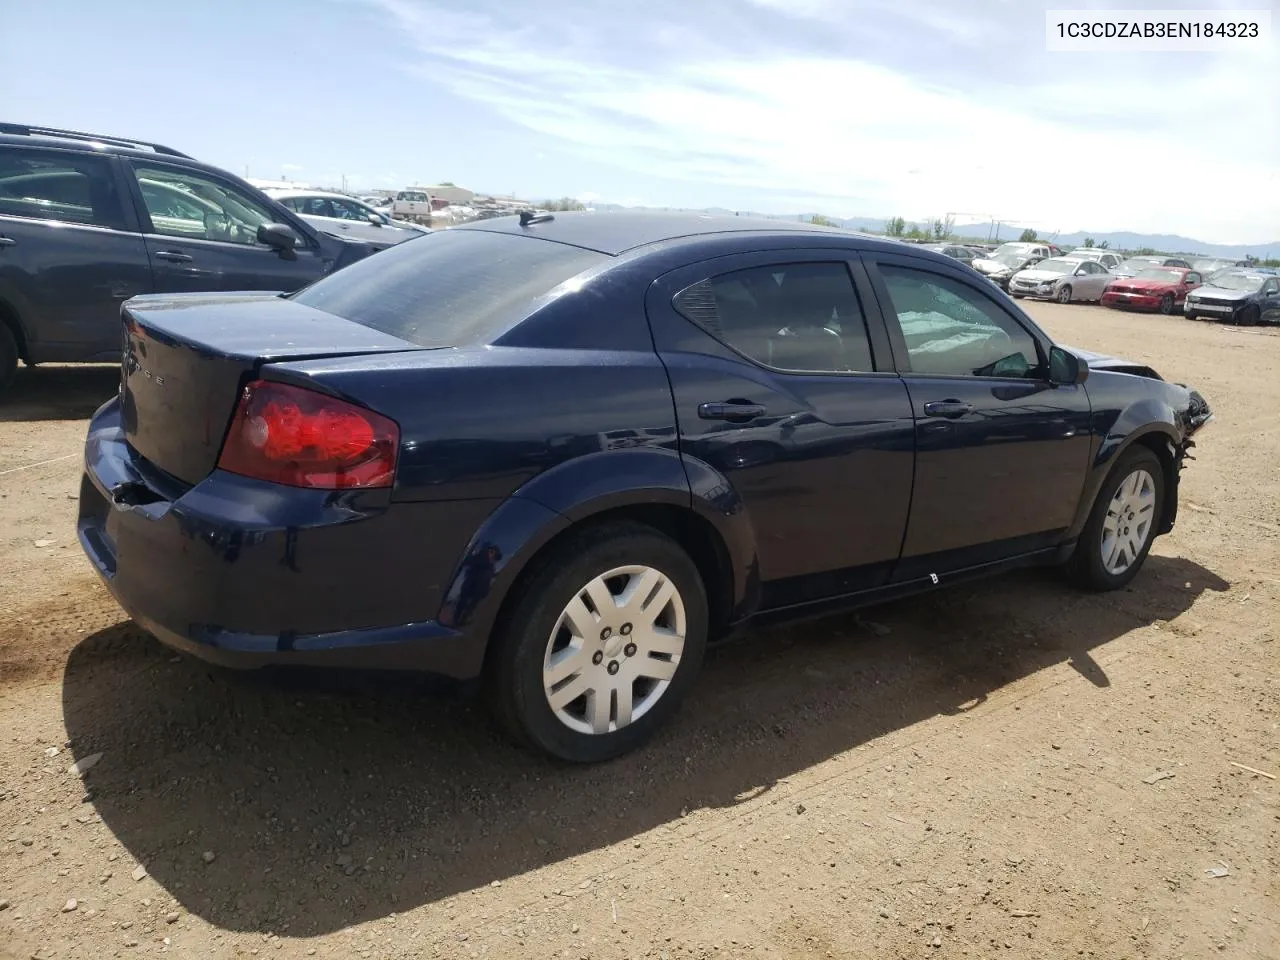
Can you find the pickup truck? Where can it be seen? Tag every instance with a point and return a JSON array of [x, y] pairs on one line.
[[413, 205]]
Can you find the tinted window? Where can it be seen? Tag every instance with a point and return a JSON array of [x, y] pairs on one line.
[[449, 288], [53, 185], [951, 329], [185, 203], [794, 316]]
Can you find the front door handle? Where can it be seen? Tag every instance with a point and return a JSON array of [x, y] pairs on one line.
[[173, 256], [732, 410], [950, 409]]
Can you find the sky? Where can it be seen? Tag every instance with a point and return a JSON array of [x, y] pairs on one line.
[[913, 108]]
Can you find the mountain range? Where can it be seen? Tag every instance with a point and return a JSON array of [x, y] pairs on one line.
[[983, 231]]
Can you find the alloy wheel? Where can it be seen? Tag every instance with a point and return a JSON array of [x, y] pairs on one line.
[[1166, 304], [1128, 524], [614, 650], [1064, 293]]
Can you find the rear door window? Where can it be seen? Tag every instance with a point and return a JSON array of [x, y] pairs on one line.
[[799, 317], [60, 185], [449, 288]]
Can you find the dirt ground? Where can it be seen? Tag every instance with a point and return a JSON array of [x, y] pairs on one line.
[[1003, 769]]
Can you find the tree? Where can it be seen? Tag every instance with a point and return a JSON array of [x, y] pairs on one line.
[[1104, 244], [914, 232], [1088, 242], [895, 226], [564, 203], [1028, 236], [819, 220]]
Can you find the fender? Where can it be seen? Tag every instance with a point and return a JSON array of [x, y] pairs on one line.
[[1116, 432], [574, 492]]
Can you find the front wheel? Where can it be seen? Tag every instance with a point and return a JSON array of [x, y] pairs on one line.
[[1122, 525], [1064, 293], [600, 643], [1250, 316], [1166, 304]]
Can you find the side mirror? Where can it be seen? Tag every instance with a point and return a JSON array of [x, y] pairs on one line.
[[280, 237], [1065, 368], [377, 219]]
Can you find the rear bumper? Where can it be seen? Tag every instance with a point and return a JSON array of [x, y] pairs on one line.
[[249, 574]]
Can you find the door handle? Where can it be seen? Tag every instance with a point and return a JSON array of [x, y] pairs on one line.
[[731, 410], [173, 256], [950, 409], [7, 241]]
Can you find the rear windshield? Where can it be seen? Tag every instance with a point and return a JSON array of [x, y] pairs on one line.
[[448, 288]]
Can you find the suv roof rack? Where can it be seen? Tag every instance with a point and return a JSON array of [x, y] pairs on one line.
[[28, 130]]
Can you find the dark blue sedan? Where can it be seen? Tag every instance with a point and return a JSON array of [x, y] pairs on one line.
[[558, 455]]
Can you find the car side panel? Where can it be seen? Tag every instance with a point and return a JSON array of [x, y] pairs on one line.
[[1126, 408]]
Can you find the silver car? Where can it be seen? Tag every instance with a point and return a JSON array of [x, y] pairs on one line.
[[1061, 278], [344, 216]]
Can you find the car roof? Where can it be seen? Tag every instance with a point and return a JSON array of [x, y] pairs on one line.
[[615, 233], [34, 135], [278, 192]]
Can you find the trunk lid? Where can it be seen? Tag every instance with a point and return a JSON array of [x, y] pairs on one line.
[[186, 358]]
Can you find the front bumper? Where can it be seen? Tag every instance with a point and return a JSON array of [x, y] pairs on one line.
[[244, 573], [1219, 311], [1133, 301]]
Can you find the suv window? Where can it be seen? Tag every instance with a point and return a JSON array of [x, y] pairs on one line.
[[952, 330], [793, 316], [59, 185], [189, 204], [457, 287]]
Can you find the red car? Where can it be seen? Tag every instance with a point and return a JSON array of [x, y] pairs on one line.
[[1158, 288]]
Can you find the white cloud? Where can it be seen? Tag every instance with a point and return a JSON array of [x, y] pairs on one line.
[[1066, 147]]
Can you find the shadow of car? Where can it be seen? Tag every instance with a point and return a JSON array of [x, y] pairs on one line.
[[330, 804]]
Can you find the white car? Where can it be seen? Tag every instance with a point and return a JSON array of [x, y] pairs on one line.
[[343, 216], [1061, 278], [1105, 257]]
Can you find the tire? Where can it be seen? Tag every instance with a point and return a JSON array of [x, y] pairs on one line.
[[1088, 566], [1250, 316], [8, 357], [1064, 293], [1192, 316], [1016, 296], [1166, 304], [537, 630]]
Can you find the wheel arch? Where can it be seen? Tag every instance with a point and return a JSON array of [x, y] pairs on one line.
[[10, 319], [703, 516], [1162, 439]]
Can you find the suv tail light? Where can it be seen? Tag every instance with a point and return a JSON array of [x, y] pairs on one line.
[[303, 438]]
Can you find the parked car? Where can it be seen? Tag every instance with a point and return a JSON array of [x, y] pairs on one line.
[[1157, 288], [440, 458], [1108, 259], [1008, 259], [1208, 266], [1061, 278], [1246, 297], [953, 250], [1135, 265], [412, 205], [88, 221], [341, 215]]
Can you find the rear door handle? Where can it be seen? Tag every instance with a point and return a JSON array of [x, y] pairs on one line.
[[730, 410], [7, 241], [950, 409], [173, 256]]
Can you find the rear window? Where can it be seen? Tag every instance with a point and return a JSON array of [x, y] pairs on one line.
[[448, 288]]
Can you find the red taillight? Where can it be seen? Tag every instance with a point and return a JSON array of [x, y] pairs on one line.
[[291, 435]]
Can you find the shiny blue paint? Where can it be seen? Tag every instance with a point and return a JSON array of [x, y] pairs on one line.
[[840, 493]]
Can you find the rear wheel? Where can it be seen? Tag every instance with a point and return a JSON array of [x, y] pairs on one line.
[[8, 357], [1122, 525], [1064, 293], [1166, 304], [600, 643]]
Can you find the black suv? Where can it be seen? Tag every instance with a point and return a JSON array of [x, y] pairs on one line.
[[88, 221]]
